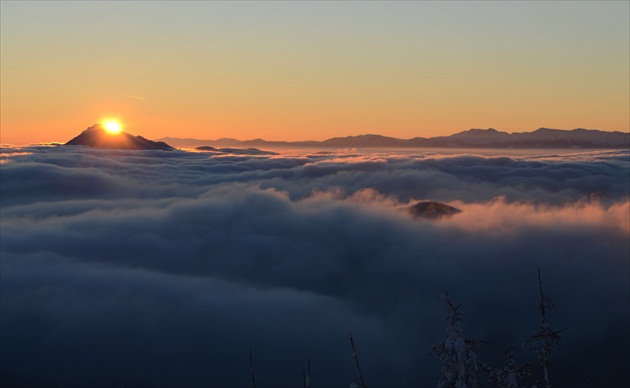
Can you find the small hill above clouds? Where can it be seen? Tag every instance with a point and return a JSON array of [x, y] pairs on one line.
[[96, 136], [432, 210], [236, 151]]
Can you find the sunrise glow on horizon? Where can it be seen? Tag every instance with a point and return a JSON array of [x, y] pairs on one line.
[[312, 70], [112, 127]]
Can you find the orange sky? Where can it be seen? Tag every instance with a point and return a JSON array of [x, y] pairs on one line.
[[297, 71]]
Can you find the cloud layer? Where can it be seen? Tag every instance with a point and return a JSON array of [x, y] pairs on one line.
[[165, 268]]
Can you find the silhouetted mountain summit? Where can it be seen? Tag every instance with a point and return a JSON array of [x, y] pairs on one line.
[[472, 138], [96, 136]]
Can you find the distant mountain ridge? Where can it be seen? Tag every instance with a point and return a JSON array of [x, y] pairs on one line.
[[473, 138]]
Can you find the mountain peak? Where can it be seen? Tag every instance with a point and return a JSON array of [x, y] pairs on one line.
[[547, 130], [479, 131], [96, 136]]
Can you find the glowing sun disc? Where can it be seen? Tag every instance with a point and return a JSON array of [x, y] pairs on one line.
[[112, 127]]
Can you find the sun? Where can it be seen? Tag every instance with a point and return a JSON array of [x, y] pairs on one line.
[[112, 127]]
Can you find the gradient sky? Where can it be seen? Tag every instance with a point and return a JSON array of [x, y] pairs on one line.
[[312, 70]]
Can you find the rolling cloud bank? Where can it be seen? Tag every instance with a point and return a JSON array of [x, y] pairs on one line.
[[163, 268]]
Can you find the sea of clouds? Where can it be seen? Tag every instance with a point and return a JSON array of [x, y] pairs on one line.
[[158, 268]]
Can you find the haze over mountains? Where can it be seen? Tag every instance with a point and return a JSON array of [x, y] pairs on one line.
[[472, 138]]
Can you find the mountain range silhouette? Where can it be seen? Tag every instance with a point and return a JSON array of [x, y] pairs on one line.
[[579, 138], [96, 136]]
